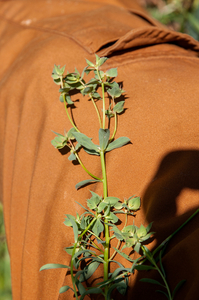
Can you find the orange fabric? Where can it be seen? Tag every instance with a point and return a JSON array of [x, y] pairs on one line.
[[159, 70]]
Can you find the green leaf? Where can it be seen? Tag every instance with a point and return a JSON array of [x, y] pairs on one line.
[[115, 91], [75, 228], [64, 90], [59, 141], [111, 200], [122, 288], [98, 227], [118, 108], [99, 75], [91, 152], [117, 233], [91, 291], [112, 218], [124, 255], [53, 266], [84, 182], [137, 247], [141, 232], [101, 61], [102, 206], [95, 95], [61, 98], [161, 265], [112, 72], [87, 90], [72, 157], [164, 293], [69, 250], [55, 76], [70, 134], [90, 63], [58, 70], [89, 270], [178, 287], [94, 200], [118, 205], [85, 141], [144, 267], [57, 81], [104, 135], [121, 141], [64, 289], [68, 100], [80, 287], [153, 281], [147, 236], [134, 203], [67, 221]]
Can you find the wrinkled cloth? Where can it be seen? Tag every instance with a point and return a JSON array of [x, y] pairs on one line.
[[159, 70]]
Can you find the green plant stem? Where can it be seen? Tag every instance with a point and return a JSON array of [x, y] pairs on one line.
[[103, 108], [73, 253], [87, 228], [97, 111], [115, 128], [71, 271], [119, 242], [79, 160], [152, 261], [175, 232], [106, 227], [66, 109]]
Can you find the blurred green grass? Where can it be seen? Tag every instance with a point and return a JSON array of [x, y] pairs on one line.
[[179, 15], [5, 279]]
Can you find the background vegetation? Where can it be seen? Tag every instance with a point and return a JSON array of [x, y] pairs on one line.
[[179, 15], [5, 281]]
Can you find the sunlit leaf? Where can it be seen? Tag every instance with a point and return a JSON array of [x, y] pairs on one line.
[[98, 227], [53, 266], [118, 108], [84, 182], [112, 72], [104, 135], [121, 141], [64, 289], [85, 141], [91, 291]]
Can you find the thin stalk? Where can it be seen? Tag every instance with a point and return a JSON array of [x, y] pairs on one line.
[[73, 253], [87, 228], [66, 109], [71, 271], [115, 128], [106, 227], [97, 111], [65, 105], [104, 108], [175, 232], [79, 160], [159, 271], [164, 280], [119, 242]]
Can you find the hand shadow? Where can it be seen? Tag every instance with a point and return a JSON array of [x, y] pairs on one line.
[[179, 170], [177, 177]]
